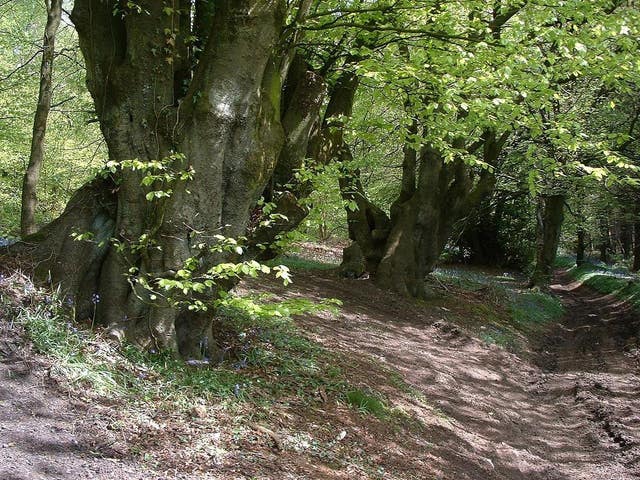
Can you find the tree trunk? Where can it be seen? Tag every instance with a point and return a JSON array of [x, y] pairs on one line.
[[225, 127], [636, 246], [428, 206], [303, 98], [581, 246], [626, 239], [605, 240], [36, 157], [550, 215]]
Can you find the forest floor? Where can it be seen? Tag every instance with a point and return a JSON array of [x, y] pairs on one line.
[[454, 407]]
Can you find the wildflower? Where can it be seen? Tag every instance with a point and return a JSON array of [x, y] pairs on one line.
[[236, 390], [95, 298]]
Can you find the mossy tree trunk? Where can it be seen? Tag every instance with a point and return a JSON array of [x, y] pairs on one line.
[[155, 98], [403, 248], [436, 194]]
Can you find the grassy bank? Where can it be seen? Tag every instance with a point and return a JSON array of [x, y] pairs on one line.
[[609, 281], [498, 307], [263, 355]]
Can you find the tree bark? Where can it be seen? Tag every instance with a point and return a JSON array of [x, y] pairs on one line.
[[439, 195], [626, 239], [45, 93], [550, 215], [581, 246], [605, 240]]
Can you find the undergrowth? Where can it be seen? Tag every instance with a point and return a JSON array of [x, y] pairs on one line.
[[297, 263], [264, 357], [503, 311]]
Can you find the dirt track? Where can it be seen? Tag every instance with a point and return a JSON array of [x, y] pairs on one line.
[[44, 434], [495, 415], [478, 412]]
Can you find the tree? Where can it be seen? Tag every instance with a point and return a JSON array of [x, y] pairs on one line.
[[193, 137], [36, 158], [584, 59], [206, 106], [449, 149]]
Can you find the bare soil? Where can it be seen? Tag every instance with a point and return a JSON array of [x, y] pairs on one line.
[[460, 409], [45, 434]]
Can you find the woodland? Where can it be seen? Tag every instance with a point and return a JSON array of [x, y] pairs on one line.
[[168, 164]]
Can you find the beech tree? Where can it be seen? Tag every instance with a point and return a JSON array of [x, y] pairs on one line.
[[188, 95], [527, 80]]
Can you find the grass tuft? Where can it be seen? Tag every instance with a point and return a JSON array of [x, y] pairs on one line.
[[366, 403]]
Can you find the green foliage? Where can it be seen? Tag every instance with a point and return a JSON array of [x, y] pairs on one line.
[[327, 218], [74, 147]]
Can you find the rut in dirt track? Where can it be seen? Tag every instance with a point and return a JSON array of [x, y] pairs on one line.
[[596, 346]]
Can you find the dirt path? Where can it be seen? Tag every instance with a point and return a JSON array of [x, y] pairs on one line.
[[467, 410], [492, 415], [45, 435]]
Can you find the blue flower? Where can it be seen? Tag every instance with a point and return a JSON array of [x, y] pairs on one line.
[[241, 364]]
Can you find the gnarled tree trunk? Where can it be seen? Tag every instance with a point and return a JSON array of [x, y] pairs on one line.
[[401, 250], [422, 224], [154, 99]]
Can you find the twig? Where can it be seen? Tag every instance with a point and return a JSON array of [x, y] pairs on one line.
[[274, 436]]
